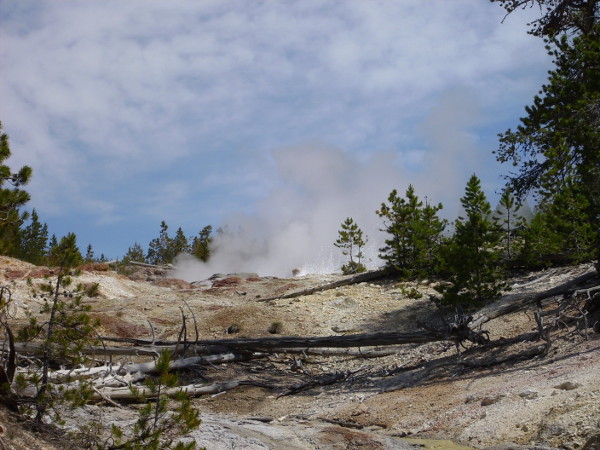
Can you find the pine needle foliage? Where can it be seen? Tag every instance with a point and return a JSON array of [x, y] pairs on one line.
[[161, 418], [557, 144], [512, 223], [471, 258], [415, 234], [67, 330], [352, 241], [12, 197]]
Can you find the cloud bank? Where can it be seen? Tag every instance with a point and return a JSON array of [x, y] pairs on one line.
[[134, 112]]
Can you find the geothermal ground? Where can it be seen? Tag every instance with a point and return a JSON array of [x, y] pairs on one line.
[[422, 395]]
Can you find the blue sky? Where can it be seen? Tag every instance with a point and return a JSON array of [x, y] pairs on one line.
[[279, 118]]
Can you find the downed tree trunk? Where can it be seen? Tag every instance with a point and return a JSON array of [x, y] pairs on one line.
[[286, 342], [265, 344], [562, 289], [188, 363], [148, 349], [150, 266], [358, 278]]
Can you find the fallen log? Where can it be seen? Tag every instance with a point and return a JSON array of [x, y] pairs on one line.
[[374, 353], [150, 266], [124, 393], [345, 341], [188, 363], [518, 305], [354, 279], [145, 348]]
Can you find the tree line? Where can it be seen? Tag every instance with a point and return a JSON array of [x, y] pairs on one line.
[[164, 248], [555, 158], [23, 235]]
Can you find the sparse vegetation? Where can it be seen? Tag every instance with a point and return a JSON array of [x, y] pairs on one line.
[[275, 328], [161, 417], [352, 242], [67, 330]]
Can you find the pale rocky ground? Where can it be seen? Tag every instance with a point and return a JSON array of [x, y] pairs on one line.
[[549, 402]]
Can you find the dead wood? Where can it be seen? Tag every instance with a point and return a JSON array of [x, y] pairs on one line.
[[7, 373], [150, 266], [193, 390], [188, 363], [35, 348], [276, 343], [565, 288], [358, 278], [376, 353]]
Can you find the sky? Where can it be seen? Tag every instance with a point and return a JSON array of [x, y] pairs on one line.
[[276, 119]]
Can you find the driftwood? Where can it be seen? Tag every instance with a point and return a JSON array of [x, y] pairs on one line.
[[358, 278]]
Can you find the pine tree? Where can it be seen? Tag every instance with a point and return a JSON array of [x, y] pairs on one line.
[[471, 258], [65, 333], [65, 253], [201, 244], [159, 249], [508, 218], [164, 249], [557, 142], [415, 233], [11, 199], [560, 232], [351, 241], [134, 253], [52, 245], [89, 254], [34, 238], [179, 244]]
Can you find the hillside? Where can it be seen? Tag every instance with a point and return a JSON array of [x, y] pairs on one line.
[[417, 391]]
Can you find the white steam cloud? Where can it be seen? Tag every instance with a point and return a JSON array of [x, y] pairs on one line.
[[295, 226]]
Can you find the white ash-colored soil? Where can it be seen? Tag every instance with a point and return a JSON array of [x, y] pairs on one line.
[[551, 401]]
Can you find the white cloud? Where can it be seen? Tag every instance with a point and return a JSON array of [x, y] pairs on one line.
[[107, 97]]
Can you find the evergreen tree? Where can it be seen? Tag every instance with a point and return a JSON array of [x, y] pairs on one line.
[[201, 244], [558, 16], [179, 244], [558, 143], [34, 238], [160, 248], [134, 253], [560, 232], [66, 253], [11, 199], [471, 258], [351, 241], [89, 254], [52, 245], [415, 234], [508, 218]]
